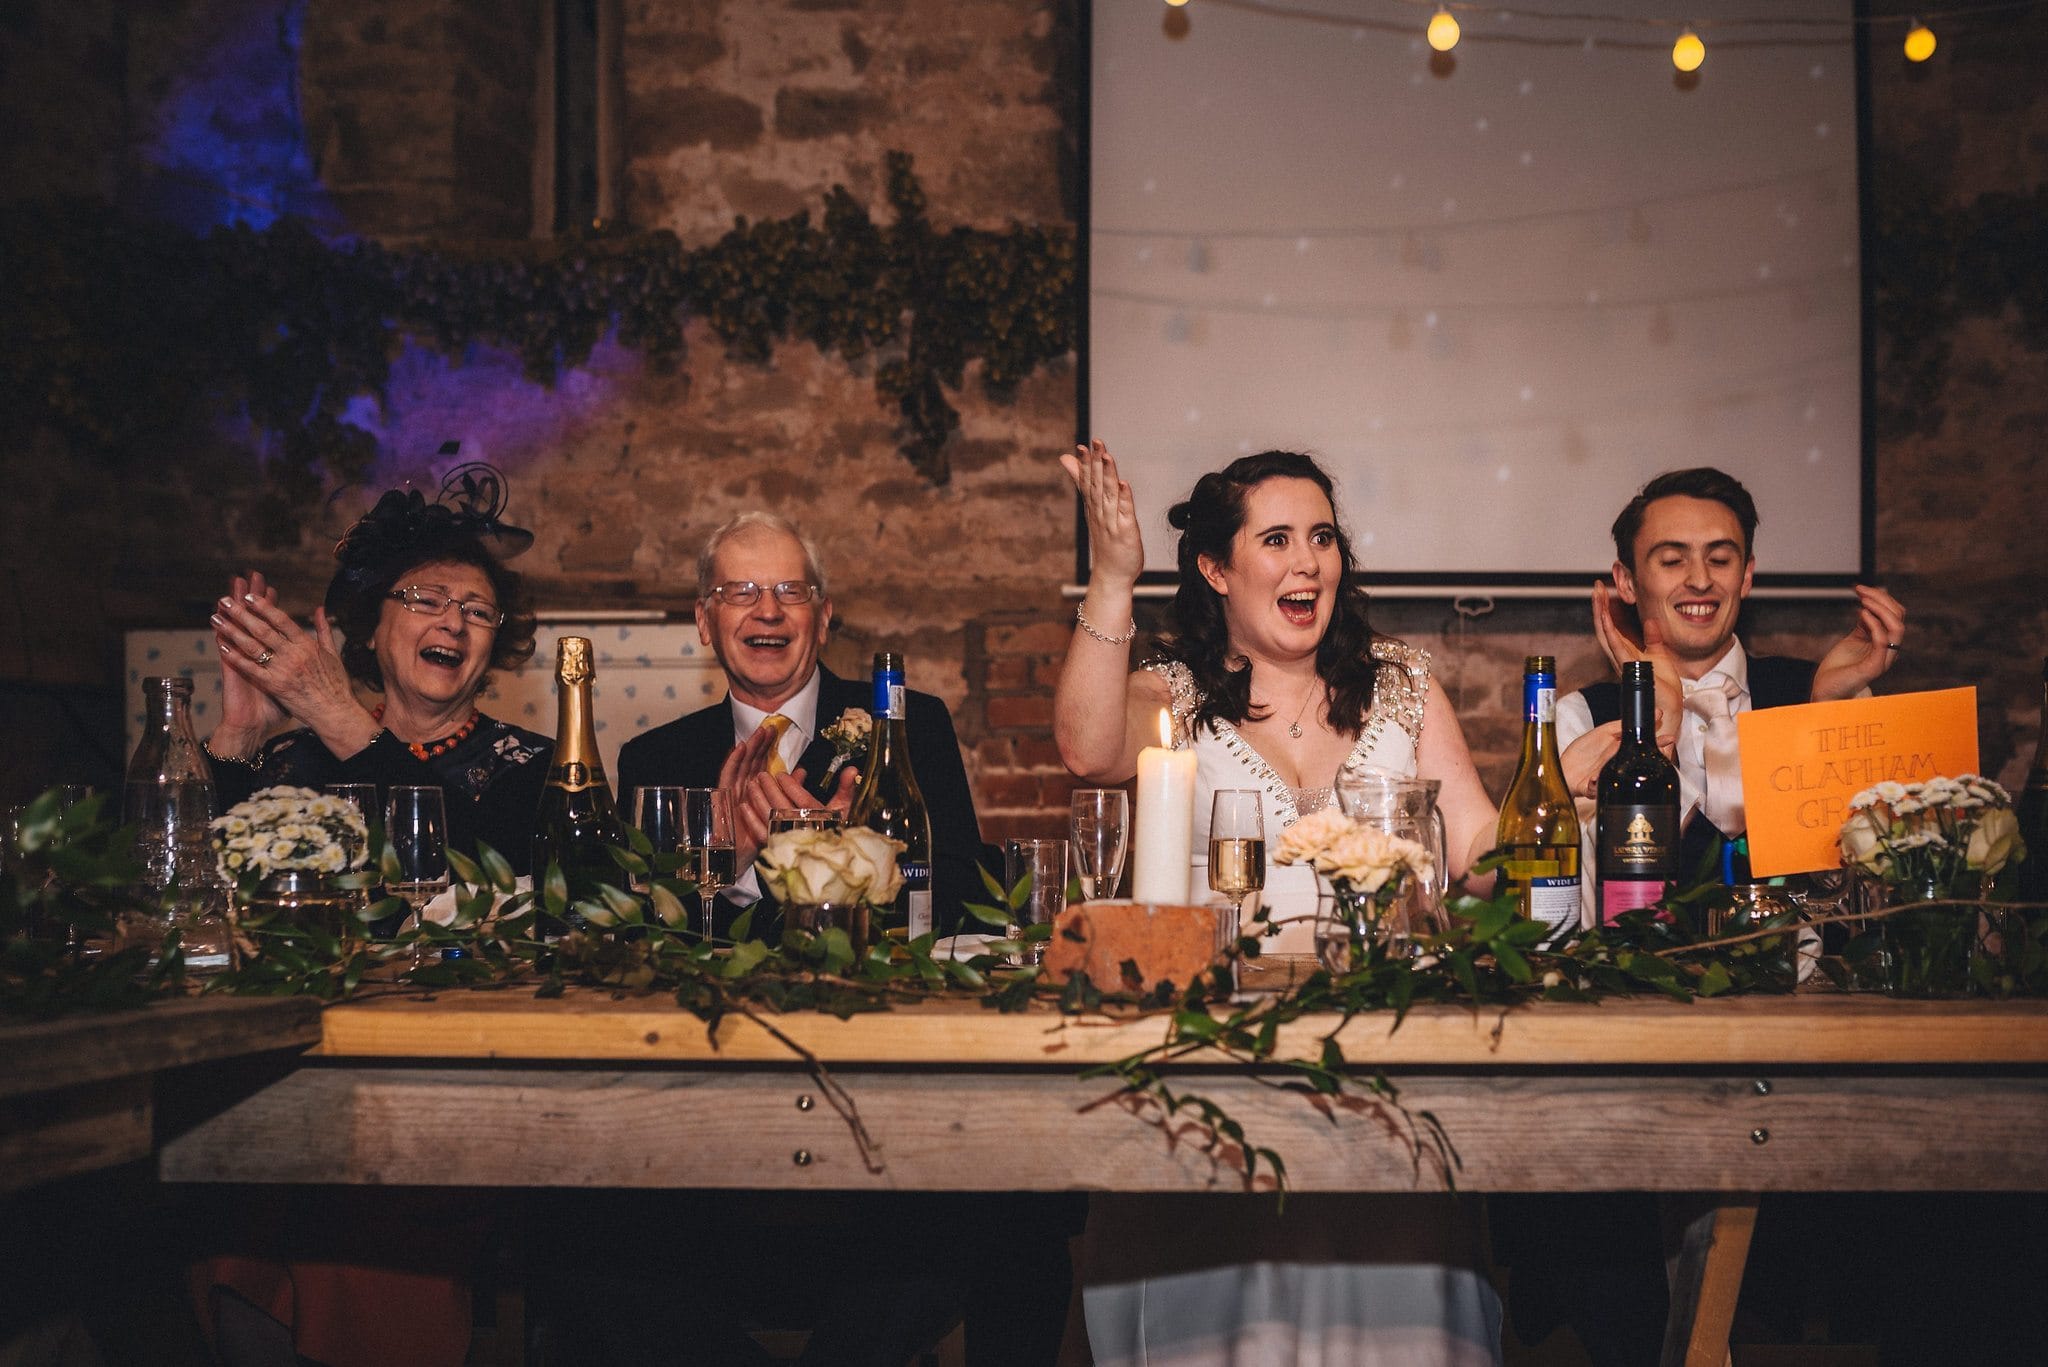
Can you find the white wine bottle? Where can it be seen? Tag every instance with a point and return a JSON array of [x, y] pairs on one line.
[[1539, 826], [578, 819], [889, 802]]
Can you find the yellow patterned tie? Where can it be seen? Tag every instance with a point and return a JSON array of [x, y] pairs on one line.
[[776, 723]]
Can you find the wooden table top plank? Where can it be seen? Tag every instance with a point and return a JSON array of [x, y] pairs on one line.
[[1822, 1029], [73, 1050]]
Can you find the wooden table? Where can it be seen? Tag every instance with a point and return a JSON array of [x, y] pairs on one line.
[[1732, 1098], [79, 1093]]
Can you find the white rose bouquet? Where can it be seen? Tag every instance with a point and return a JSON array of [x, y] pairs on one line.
[[289, 830], [847, 867], [1952, 835], [1359, 860]]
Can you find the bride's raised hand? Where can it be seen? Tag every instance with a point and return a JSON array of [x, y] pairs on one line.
[[1115, 547]]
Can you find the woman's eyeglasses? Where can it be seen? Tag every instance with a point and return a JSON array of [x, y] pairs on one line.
[[428, 603]]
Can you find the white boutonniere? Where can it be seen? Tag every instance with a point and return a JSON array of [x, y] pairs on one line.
[[849, 738]]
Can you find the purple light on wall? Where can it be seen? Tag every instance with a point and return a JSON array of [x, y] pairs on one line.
[[224, 143], [483, 400]]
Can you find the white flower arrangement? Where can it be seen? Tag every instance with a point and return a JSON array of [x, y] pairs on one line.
[[1947, 831], [1356, 858], [843, 867], [283, 830]]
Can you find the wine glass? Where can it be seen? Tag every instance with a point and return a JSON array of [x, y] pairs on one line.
[[364, 796], [707, 835], [1044, 862], [1237, 853], [783, 819], [1101, 829], [658, 815], [416, 825]]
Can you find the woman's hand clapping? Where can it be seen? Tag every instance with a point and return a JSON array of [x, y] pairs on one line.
[[1116, 549], [296, 674]]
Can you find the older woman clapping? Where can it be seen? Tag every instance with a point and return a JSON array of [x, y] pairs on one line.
[[421, 610]]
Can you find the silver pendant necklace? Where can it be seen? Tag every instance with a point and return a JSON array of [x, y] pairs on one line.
[[1294, 727]]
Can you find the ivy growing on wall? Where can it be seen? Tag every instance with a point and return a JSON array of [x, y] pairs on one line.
[[125, 337]]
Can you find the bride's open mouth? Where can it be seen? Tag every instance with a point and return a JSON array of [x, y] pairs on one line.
[[1300, 608]]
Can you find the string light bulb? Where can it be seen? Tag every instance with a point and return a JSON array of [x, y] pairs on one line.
[[1176, 3], [1919, 42], [1443, 30], [1688, 52]]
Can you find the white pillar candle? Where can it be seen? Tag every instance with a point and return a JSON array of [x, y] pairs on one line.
[[1165, 831]]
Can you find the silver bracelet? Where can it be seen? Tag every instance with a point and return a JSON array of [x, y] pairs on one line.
[[1081, 617]]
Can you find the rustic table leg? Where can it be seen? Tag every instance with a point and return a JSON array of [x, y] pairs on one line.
[[1705, 1279]]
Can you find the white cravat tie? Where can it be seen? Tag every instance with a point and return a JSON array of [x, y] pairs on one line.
[[1721, 793]]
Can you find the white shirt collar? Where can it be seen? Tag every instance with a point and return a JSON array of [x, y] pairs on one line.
[[801, 707], [1733, 664]]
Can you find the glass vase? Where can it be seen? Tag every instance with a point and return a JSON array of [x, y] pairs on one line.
[[1925, 944], [1351, 925], [855, 918], [309, 901]]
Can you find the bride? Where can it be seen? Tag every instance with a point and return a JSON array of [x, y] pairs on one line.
[[1275, 678]]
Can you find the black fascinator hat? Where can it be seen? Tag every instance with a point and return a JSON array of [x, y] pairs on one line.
[[403, 530]]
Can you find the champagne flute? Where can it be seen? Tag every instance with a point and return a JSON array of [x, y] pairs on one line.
[[1101, 828], [1237, 853], [707, 834], [416, 825]]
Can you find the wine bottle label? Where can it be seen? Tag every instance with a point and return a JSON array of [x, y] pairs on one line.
[[1638, 841], [573, 777], [1618, 895], [917, 886], [889, 694], [1555, 902], [1539, 698]]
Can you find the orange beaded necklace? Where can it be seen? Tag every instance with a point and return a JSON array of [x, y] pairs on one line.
[[425, 750]]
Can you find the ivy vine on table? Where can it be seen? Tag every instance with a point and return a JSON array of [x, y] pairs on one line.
[[72, 867], [124, 335]]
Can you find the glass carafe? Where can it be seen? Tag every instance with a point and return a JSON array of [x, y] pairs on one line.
[[168, 799], [1404, 807]]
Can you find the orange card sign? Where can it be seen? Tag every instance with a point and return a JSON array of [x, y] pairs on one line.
[[1801, 765]]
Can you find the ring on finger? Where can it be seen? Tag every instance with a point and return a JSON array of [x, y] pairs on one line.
[[263, 659]]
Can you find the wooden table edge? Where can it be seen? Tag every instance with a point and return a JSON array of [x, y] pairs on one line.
[[1780, 1031], [71, 1051]]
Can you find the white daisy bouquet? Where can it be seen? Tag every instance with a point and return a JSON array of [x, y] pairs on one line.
[[289, 830], [1953, 835]]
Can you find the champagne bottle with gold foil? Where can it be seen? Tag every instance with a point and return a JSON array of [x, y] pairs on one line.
[[1539, 826], [889, 800], [578, 819]]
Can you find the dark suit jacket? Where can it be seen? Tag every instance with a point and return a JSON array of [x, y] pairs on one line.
[[690, 750]]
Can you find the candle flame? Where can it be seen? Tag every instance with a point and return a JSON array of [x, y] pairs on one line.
[[1165, 729]]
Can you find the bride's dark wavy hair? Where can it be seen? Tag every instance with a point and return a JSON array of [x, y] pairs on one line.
[[1209, 521]]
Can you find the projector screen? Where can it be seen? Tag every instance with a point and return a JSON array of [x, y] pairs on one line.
[[1493, 290]]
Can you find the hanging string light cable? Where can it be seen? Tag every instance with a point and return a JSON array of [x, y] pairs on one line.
[[1684, 37]]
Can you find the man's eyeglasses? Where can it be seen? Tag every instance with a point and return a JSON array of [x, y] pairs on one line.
[[744, 593], [428, 603]]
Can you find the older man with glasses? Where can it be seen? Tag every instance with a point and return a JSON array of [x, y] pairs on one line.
[[763, 608], [877, 1277]]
